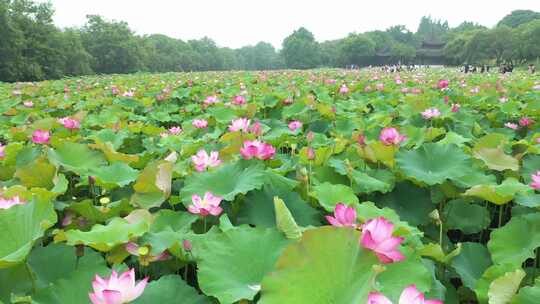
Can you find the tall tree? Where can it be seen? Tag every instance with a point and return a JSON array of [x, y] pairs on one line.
[[519, 17], [300, 50]]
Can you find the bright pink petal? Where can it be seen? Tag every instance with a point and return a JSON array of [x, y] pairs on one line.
[[411, 295], [112, 297], [333, 221], [377, 298]]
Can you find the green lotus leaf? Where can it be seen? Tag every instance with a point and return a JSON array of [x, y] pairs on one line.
[[471, 263], [168, 231], [496, 159], [377, 180], [531, 164], [74, 286], [226, 181], [491, 274], [153, 186], [498, 194], [503, 289], [397, 276], [330, 195], [118, 173], [105, 237], [233, 263], [452, 138], [528, 294], [21, 226], [531, 200], [38, 173], [465, 216], [99, 214], [170, 289], [425, 163], [326, 266], [258, 208], [516, 241], [412, 203], [492, 140], [435, 252], [75, 157]]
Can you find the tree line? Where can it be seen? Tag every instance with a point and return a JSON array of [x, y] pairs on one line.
[[33, 48]]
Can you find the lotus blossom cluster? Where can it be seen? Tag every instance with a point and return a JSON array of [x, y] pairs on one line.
[[69, 123], [6, 203], [240, 124], [431, 113], [391, 136], [41, 137], [117, 289], [443, 84], [295, 125], [202, 160], [410, 295], [344, 216], [207, 205], [535, 184], [199, 123], [257, 149]]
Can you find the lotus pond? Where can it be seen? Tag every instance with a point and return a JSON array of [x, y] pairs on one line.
[[282, 187]]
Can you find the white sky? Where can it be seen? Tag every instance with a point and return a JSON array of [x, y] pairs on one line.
[[235, 23]]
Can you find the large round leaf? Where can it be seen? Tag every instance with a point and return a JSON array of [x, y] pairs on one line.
[[76, 157], [227, 181], [433, 163], [119, 174], [327, 265], [329, 195], [465, 216], [412, 203], [21, 226], [233, 263], [170, 289], [471, 263], [516, 241]]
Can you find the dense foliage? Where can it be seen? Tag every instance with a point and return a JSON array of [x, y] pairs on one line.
[[33, 48], [326, 186]]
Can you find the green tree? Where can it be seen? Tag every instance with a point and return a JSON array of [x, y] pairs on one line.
[[357, 49], [300, 50], [113, 45], [519, 17]]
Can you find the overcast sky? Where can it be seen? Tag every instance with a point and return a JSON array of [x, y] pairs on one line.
[[235, 23]]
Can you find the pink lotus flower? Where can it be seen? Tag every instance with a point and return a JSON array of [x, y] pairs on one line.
[[240, 124], [368, 89], [398, 81], [175, 130], [377, 236], [41, 137], [210, 100], [446, 99], [455, 107], [6, 203], [128, 94], [186, 244], [2, 151], [69, 123], [431, 113], [311, 153], [114, 90], [416, 91], [535, 184], [330, 81], [536, 87], [503, 99], [404, 90], [205, 206], [295, 125], [380, 86], [391, 136], [410, 295], [28, 104], [525, 122], [343, 89], [117, 289], [199, 123], [257, 149], [239, 100], [511, 125], [310, 136], [361, 139], [202, 160], [145, 258], [475, 90], [343, 216], [443, 84]]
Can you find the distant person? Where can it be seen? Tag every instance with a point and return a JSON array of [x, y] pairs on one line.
[[532, 69], [466, 68]]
